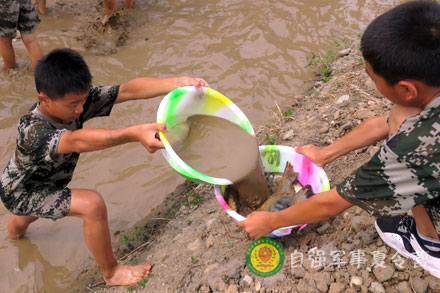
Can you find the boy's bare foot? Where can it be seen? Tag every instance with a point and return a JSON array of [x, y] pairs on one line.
[[17, 226], [128, 275], [106, 18], [15, 236]]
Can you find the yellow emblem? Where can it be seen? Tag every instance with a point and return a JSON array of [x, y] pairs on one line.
[[265, 257]]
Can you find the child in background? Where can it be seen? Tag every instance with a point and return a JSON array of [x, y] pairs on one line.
[[18, 15]]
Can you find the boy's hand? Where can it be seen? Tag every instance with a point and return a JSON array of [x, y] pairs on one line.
[[197, 82], [313, 153], [257, 224], [148, 136]]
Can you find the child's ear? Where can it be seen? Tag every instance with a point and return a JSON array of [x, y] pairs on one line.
[[42, 98], [408, 90]]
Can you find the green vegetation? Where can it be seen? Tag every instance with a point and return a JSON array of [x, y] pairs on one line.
[[194, 259], [139, 234], [140, 284], [128, 239], [287, 114], [192, 199], [345, 44], [323, 62], [230, 245], [270, 139]]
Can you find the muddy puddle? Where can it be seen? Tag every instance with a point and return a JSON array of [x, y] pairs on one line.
[[254, 52]]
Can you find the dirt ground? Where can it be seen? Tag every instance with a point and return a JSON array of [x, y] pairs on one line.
[[194, 246]]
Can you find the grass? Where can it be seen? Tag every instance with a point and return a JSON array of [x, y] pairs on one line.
[[192, 199], [287, 114], [323, 62], [127, 239], [230, 245], [270, 139], [139, 234], [140, 284]]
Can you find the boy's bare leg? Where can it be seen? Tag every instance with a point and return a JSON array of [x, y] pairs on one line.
[[129, 3], [41, 6], [7, 51], [89, 206], [109, 7], [33, 47], [423, 222], [17, 226]]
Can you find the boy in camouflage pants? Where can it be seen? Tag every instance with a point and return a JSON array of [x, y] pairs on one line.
[[18, 15], [401, 49], [51, 137]]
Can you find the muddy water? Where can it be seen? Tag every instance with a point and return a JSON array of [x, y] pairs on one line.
[[254, 52], [222, 149]]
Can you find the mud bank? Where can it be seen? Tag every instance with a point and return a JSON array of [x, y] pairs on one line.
[[194, 246]]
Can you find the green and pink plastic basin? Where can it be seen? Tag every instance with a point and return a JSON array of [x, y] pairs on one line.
[[177, 106]]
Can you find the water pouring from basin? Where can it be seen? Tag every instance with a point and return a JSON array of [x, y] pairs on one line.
[[187, 112]]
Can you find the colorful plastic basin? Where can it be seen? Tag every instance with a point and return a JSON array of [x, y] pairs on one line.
[[274, 158], [177, 106]]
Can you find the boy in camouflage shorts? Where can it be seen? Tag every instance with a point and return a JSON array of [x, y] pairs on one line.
[[18, 15], [51, 137], [401, 49]]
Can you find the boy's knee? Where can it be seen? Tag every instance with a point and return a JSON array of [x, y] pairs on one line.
[[95, 205], [29, 38]]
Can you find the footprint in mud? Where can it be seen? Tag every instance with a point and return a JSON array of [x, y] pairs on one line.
[[104, 34]]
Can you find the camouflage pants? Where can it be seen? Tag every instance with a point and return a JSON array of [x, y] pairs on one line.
[[404, 173], [17, 15], [49, 202]]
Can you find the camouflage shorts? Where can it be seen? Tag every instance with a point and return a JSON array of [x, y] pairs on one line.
[[49, 202], [17, 14]]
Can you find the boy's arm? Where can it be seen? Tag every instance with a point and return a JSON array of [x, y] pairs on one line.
[[317, 208], [367, 133], [92, 139], [149, 87]]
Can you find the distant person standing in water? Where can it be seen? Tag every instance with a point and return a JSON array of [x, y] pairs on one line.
[[51, 137], [22, 16]]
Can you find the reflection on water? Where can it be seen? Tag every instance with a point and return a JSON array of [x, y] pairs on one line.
[[254, 52], [30, 261]]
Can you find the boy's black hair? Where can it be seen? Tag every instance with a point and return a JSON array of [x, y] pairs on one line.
[[404, 43], [61, 72]]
